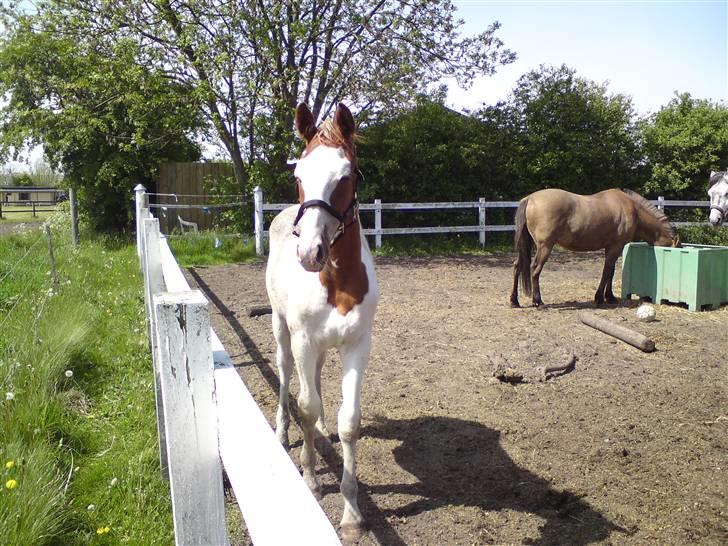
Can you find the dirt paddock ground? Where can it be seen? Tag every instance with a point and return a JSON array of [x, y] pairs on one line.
[[628, 448]]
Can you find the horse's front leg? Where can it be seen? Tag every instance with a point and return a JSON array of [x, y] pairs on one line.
[[354, 360], [284, 362], [321, 423], [604, 290], [309, 406]]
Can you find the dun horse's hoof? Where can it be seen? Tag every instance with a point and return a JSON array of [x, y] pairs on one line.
[[515, 304], [351, 533]]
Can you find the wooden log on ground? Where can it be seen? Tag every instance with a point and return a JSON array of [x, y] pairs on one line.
[[258, 311], [635, 339]]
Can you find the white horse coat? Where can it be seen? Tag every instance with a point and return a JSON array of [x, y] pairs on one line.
[[323, 293]]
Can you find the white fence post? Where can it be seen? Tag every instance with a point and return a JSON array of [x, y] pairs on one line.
[[481, 221], [190, 415], [139, 203], [258, 219], [660, 203], [154, 284], [378, 222]]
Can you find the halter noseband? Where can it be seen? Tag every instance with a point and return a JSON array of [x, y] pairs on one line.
[[723, 211], [341, 217]]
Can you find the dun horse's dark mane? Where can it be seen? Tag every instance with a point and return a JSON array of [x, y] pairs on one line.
[[652, 209]]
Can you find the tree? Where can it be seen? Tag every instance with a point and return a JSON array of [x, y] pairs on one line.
[[682, 143], [569, 133], [251, 62], [431, 153], [106, 121]]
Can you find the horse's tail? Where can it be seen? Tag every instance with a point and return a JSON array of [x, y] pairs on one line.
[[523, 243]]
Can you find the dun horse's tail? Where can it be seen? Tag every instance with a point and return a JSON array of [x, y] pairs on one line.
[[524, 246]]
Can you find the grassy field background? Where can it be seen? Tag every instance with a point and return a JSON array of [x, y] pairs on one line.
[[78, 440]]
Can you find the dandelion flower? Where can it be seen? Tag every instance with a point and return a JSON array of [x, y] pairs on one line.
[[10, 464], [69, 374], [9, 396], [11, 484], [103, 530]]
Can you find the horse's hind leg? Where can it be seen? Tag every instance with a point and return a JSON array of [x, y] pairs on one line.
[[284, 361], [543, 251], [321, 423], [354, 360], [514, 292]]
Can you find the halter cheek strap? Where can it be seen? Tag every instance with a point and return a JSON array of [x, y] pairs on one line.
[[723, 211], [341, 217]]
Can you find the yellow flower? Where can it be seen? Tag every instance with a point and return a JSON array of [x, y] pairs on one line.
[[103, 530], [11, 484], [10, 464]]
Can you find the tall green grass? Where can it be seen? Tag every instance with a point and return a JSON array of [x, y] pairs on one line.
[[78, 441], [211, 248]]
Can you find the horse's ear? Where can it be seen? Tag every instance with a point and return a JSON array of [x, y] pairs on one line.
[[712, 174], [344, 121], [676, 241], [305, 124]]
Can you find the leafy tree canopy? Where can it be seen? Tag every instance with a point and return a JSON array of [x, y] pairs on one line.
[[104, 119], [683, 142], [568, 132], [249, 63]]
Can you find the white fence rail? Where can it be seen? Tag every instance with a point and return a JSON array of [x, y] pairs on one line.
[[207, 416], [260, 208]]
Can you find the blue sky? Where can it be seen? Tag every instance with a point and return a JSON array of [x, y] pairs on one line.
[[645, 49]]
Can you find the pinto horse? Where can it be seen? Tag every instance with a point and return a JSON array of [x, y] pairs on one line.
[[606, 220], [323, 293], [718, 193]]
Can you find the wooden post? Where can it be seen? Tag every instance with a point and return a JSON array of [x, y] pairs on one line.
[[378, 223], [154, 284], [54, 274], [1, 204], [258, 219], [32, 204], [190, 415], [481, 221], [139, 203], [74, 216]]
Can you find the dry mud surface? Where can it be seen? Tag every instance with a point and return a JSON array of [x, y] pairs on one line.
[[629, 448]]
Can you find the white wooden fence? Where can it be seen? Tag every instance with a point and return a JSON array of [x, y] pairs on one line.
[[260, 208], [208, 419]]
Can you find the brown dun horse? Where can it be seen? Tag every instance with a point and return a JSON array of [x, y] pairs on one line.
[[606, 220]]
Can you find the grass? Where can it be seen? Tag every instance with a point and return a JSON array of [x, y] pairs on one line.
[[78, 441], [210, 248]]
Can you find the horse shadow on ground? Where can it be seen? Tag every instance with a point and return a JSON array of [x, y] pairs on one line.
[[461, 463]]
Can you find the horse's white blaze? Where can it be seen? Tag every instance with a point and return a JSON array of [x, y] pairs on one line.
[[718, 194]]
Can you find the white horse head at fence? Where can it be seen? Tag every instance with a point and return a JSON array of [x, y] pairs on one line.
[[323, 293], [718, 193]]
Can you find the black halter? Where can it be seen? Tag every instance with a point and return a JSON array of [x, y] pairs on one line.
[[723, 212], [340, 216]]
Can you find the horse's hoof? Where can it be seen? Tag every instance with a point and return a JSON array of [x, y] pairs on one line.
[[351, 533], [612, 300], [540, 305], [515, 304]]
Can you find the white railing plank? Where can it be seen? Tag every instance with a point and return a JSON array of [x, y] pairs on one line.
[[190, 417]]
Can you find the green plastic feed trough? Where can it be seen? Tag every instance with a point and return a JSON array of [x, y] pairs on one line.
[[693, 274]]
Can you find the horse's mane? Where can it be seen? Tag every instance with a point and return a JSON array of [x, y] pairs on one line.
[[644, 204], [716, 177], [330, 135]]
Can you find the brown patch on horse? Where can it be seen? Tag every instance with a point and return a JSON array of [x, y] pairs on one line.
[[345, 276]]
